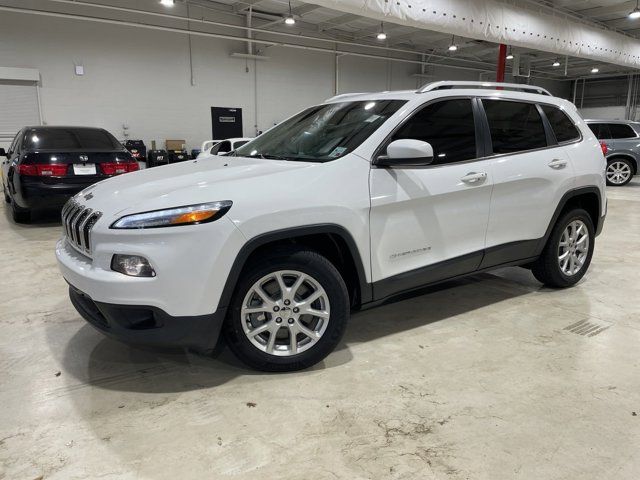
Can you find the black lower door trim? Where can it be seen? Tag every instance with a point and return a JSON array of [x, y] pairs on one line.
[[514, 253], [427, 275]]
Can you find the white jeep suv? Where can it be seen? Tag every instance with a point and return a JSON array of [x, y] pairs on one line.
[[343, 206]]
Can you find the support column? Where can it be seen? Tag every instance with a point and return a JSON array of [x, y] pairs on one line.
[[502, 59]]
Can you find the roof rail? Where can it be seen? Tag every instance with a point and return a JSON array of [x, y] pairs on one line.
[[450, 84]]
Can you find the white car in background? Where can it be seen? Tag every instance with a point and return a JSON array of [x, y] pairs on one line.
[[221, 147]]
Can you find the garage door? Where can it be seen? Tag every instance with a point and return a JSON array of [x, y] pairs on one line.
[[18, 107]]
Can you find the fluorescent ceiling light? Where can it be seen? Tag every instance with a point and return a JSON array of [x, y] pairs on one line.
[[510, 56], [381, 36], [635, 13], [556, 63], [595, 70], [167, 3]]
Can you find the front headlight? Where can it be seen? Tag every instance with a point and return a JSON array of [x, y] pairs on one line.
[[172, 217]]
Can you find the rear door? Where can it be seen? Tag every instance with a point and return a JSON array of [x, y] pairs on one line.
[[532, 171], [623, 138], [429, 223]]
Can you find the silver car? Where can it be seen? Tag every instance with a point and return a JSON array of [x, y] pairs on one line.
[[622, 138]]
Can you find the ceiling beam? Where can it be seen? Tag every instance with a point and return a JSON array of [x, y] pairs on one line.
[[337, 21], [304, 9], [623, 7]]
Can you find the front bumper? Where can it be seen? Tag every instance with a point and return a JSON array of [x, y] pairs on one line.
[[192, 264], [143, 325]]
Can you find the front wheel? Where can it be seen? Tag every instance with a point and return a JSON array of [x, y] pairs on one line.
[[289, 312], [567, 254], [619, 172]]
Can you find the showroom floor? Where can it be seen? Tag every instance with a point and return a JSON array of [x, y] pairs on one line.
[[488, 378]]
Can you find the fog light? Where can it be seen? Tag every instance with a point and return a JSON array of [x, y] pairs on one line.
[[132, 265]]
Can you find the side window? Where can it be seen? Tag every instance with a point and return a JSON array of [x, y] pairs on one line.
[[620, 130], [561, 124], [448, 126], [223, 147], [600, 130], [514, 126]]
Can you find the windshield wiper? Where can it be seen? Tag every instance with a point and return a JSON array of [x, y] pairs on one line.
[[268, 156]]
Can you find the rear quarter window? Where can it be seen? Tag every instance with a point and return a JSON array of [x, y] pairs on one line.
[[562, 126]]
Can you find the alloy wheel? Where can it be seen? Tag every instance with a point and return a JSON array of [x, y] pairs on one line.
[[573, 248], [618, 172], [285, 313]]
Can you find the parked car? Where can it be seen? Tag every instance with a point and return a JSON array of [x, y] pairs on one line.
[[622, 138], [45, 166], [221, 147], [343, 206], [137, 148]]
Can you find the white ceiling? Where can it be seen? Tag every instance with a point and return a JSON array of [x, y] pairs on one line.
[[359, 32]]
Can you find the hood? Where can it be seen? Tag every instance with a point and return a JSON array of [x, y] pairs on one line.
[[186, 183]]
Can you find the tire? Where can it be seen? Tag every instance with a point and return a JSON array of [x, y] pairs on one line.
[[549, 268], [20, 215], [274, 348], [619, 172]]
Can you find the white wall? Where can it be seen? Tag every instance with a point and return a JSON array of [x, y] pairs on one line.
[[605, 113], [141, 77]]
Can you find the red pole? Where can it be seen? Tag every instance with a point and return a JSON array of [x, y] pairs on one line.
[[502, 58]]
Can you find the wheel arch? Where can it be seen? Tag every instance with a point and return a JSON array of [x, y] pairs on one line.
[[587, 198], [626, 156], [330, 240]]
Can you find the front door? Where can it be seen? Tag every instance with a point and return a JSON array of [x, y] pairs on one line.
[[429, 223]]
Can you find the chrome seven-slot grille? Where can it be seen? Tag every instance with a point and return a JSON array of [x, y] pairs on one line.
[[77, 222]]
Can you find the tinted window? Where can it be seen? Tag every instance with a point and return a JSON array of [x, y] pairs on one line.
[[222, 147], [240, 143], [514, 126], [561, 124], [448, 126], [322, 133], [600, 130], [69, 139], [620, 130]]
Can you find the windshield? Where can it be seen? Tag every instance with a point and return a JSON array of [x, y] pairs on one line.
[[322, 133], [69, 139]]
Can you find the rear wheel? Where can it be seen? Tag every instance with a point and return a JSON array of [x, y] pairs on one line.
[[289, 312], [567, 254], [20, 215], [619, 172]]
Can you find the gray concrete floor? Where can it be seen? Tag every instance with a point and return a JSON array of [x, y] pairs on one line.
[[477, 380]]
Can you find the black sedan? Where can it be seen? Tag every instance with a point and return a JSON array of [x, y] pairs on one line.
[[45, 166]]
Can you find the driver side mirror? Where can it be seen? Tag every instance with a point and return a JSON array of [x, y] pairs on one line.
[[3, 153], [406, 153]]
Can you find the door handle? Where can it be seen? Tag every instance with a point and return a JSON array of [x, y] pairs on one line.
[[557, 163], [474, 177]]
